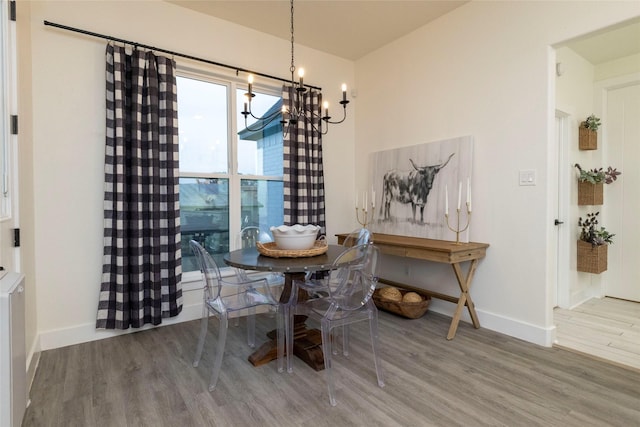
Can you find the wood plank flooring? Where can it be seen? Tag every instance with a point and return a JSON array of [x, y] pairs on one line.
[[607, 328], [480, 378]]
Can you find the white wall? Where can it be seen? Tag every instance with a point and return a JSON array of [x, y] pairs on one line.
[[619, 67], [68, 138], [486, 69]]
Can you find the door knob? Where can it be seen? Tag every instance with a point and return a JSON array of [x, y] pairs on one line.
[[557, 222]]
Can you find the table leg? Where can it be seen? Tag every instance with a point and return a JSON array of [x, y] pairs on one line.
[[307, 343], [464, 299]]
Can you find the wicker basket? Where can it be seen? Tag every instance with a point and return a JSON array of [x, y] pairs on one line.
[[411, 310], [271, 250], [587, 138], [592, 259], [590, 194]]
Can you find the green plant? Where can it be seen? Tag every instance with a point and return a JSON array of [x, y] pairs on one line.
[[592, 122], [595, 176], [590, 233]]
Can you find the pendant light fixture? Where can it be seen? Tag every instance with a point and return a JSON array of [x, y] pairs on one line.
[[296, 109]]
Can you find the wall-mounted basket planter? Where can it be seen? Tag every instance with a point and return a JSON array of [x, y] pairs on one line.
[[587, 138], [590, 194], [592, 259]]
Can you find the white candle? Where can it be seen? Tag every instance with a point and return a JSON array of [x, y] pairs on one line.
[[459, 194], [468, 195], [446, 200], [373, 198], [356, 200], [364, 205]]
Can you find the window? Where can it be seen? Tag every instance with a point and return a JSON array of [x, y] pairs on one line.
[[230, 176]]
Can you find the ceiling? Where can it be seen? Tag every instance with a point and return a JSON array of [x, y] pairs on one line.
[[352, 29], [608, 44], [348, 29]]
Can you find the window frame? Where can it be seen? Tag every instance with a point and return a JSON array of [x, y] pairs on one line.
[[8, 107], [233, 83]]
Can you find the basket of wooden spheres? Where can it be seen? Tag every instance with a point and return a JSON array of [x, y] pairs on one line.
[[401, 302]]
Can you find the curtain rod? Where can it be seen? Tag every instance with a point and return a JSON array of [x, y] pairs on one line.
[[195, 58]]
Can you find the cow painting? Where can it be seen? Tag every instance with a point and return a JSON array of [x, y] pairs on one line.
[[412, 188]]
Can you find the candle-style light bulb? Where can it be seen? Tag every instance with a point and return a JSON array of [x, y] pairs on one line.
[[246, 100], [301, 75], [344, 91], [326, 108], [250, 80]]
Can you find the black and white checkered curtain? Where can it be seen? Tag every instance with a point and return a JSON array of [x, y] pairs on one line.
[[303, 173], [142, 268]]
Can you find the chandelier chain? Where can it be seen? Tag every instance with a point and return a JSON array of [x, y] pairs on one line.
[[293, 67]]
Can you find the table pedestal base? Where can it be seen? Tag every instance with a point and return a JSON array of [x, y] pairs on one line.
[[307, 343], [307, 346]]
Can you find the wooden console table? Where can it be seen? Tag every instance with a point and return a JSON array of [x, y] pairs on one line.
[[437, 251]]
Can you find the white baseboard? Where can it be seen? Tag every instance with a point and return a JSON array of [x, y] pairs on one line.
[[87, 332], [508, 326], [505, 325]]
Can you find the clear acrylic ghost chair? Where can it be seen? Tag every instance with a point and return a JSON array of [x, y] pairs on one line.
[[223, 296], [349, 289], [357, 237], [248, 238]]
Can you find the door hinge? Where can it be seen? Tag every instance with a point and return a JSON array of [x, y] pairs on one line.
[[16, 237], [14, 125], [12, 10]]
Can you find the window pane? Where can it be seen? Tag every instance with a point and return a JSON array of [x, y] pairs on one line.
[[203, 126], [262, 203], [260, 152], [204, 216]]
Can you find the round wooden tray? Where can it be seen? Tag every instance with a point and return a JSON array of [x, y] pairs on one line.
[[271, 250]]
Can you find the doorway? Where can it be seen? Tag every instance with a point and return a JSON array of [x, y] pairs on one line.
[[588, 320]]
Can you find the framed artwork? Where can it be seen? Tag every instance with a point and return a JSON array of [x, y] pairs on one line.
[[414, 185]]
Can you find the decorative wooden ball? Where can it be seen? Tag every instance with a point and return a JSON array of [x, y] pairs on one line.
[[411, 297], [392, 294]]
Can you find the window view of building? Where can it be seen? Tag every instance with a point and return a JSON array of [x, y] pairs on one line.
[[230, 174]]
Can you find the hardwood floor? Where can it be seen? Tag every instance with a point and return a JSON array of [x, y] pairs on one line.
[[606, 328], [480, 378]]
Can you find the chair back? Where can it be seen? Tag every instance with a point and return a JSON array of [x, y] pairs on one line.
[[209, 269], [249, 236], [353, 280], [357, 237]]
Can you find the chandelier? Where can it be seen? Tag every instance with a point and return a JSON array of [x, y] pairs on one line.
[[297, 110]]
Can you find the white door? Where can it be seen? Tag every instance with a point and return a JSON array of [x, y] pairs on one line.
[[622, 198]]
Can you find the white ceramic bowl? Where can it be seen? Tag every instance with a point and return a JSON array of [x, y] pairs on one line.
[[295, 237]]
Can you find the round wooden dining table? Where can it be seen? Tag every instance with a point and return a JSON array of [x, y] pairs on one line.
[[307, 342]]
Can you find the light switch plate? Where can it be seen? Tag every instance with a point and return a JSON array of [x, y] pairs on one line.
[[528, 177]]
